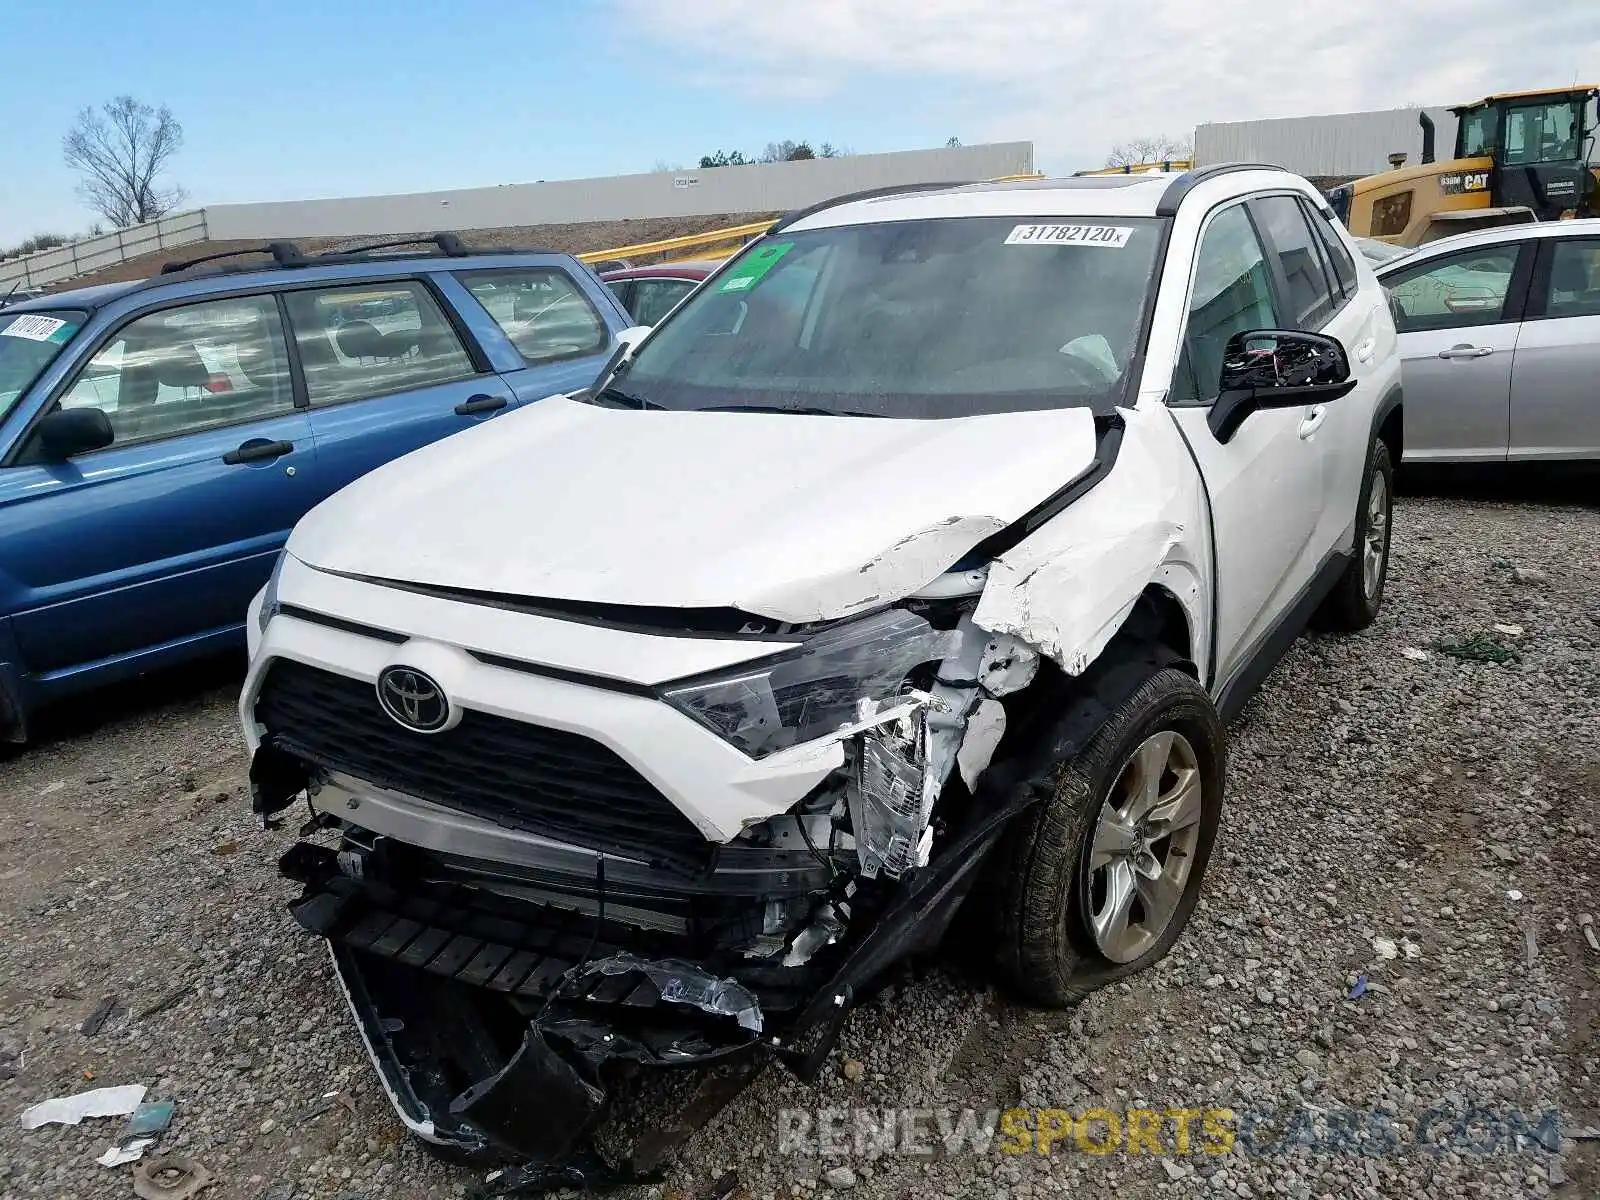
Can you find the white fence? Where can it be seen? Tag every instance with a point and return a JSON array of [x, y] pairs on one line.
[[770, 187], [106, 250]]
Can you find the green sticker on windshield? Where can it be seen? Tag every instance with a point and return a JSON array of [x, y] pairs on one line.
[[754, 267]]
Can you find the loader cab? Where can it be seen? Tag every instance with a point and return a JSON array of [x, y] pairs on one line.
[[1539, 144]]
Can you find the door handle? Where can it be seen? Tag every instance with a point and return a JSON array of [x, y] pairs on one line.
[[480, 404], [256, 451], [1314, 418], [1365, 349], [1465, 351]]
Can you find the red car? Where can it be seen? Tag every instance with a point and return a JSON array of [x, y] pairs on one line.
[[649, 293]]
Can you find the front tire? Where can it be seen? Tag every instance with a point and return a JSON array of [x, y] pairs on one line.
[[1100, 878], [1357, 598]]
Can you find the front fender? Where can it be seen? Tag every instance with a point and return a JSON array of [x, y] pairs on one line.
[[1067, 588]]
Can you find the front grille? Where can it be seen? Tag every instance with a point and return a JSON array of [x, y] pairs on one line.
[[546, 781]]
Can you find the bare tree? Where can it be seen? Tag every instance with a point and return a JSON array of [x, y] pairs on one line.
[[121, 150], [1161, 148], [952, 143]]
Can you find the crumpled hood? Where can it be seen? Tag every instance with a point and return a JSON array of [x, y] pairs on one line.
[[796, 518]]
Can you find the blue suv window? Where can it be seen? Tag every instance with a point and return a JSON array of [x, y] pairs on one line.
[[185, 369], [542, 311], [372, 339], [29, 342]]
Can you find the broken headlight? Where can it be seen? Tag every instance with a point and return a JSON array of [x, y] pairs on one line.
[[815, 691]]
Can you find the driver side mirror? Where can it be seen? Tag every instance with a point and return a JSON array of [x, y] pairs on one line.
[[1277, 368], [70, 431]]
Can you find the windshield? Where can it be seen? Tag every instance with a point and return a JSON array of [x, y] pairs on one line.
[[923, 319], [29, 342]]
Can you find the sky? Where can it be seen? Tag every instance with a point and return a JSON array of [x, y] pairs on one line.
[[288, 99]]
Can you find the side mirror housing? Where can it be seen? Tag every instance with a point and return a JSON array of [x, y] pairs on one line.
[[1277, 368], [632, 336], [70, 431]]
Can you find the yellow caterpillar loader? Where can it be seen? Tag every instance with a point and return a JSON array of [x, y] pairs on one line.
[[1519, 156]]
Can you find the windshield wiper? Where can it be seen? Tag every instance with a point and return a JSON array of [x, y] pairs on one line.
[[781, 408], [622, 399]]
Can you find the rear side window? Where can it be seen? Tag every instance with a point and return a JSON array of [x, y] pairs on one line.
[[1344, 265], [183, 370], [1573, 289], [373, 339], [541, 310], [1310, 299]]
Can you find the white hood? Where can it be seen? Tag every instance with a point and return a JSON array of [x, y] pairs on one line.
[[792, 517]]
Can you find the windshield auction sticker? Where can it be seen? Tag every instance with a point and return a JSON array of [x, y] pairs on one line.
[[754, 267], [37, 328], [1114, 237]]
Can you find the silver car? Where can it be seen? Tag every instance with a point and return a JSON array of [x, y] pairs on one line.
[[1500, 343]]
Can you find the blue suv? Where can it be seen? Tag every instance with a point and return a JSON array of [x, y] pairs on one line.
[[159, 439]]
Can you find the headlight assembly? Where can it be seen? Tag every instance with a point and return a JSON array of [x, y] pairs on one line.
[[809, 695]]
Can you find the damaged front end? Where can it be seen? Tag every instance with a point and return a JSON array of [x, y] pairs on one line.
[[504, 998]]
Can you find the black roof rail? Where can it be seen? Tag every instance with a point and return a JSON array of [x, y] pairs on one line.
[[789, 219], [1189, 180], [284, 254], [449, 244]]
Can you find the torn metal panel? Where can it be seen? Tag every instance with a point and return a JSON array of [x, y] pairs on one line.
[[912, 563], [985, 727], [1068, 588]]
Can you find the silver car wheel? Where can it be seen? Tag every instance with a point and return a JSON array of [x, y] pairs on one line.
[[1376, 546], [1143, 847]]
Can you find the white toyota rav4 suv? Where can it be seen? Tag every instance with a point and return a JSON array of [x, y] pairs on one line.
[[913, 562]]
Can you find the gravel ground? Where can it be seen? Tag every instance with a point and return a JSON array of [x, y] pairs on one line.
[[1397, 816]]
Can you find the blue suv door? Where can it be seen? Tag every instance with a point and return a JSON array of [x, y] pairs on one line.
[[159, 539], [386, 371]]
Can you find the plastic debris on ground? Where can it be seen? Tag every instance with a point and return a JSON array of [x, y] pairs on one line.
[[1360, 988], [1414, 654], [127, 1152], [170, 1178], [149, 1119], [100, 1102], [1586, 923], [95, 1021], [1477, 647]]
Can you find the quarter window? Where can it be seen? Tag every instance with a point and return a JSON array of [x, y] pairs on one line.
[[373, 339], [1454, 292], [543, 312], [1231, 294], [186, 369], [1310, 301]]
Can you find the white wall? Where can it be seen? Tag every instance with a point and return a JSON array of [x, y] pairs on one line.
[[105, 250], [772, 187], [1336, 144]]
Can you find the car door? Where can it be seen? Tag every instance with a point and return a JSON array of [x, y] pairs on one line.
[[553, 324], [1264, 484], [385, 372], [1458, 316], [165, 534], [1320, 300], [1555, 372]]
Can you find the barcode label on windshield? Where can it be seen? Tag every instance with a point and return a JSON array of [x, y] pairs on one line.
[[35, 329], [1112, 236]]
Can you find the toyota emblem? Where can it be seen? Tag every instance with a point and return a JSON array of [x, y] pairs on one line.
[[413, 699]]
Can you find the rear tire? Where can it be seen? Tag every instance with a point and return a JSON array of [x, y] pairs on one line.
[[1357, 598], [1099, 842]]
